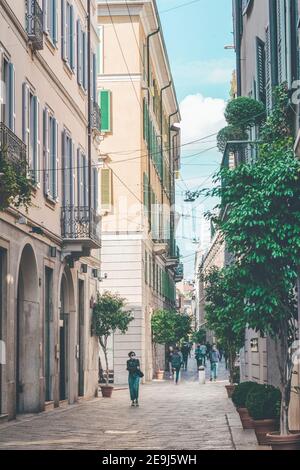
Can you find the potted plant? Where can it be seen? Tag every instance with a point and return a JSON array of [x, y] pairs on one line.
[[239, 398], [230, 134], [168, 327], [261, 229], [224, 302], [108, 317], [263, 405], [18, 186]]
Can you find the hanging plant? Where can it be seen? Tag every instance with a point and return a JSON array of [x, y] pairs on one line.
[[230, 133], [245, 112], [15, 186]]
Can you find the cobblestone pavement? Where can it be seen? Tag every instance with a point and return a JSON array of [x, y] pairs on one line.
[[187, 416]]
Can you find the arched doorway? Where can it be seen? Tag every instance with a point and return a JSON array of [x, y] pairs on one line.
[[27, 335], [67, 364]]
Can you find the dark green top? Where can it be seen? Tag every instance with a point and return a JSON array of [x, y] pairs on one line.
[[132, 366]]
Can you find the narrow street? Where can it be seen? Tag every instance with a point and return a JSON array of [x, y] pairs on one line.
[[187, 417]]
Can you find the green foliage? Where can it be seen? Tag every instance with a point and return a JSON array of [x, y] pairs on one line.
[[240, 394], [225, 302], [15, 186], [199, 336], [277, 127], [236, 377], [245, 112], [169, 327], [109, 315], [230, 133], [263, 402]]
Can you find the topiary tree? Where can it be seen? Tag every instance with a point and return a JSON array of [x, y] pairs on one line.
[[245, 112], [262, 230], [108, 317], [230, 133], [223, 311]]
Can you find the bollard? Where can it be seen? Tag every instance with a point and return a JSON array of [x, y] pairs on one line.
[[201, 375]]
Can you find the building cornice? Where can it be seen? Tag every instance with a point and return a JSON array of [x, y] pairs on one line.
[[133, 77]]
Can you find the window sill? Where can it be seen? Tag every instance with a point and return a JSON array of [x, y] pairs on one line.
[[51, 46], [51, 203], [67, 68]]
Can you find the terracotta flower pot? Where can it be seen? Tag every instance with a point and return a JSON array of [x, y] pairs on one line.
[[247, 421], [160, 374], [106, 391], [230, 389], [290, 442], [262, 427]]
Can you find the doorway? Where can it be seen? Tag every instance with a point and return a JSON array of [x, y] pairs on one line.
[[48, 333], [64, 342], [81, 338]]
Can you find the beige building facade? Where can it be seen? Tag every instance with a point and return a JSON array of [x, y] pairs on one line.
[[140, 154], [50, 255]]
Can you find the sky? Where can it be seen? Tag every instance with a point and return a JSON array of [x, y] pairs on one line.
[[195, 36]]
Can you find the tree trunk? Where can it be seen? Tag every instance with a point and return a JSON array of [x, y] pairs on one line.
[[103, 343], [231, 361]]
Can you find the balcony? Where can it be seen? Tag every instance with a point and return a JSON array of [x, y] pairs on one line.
[[80, 230], [34, 24], [179, 273], [96, 117], [160, 246], [173, 256], [239, 152], [11, 147]]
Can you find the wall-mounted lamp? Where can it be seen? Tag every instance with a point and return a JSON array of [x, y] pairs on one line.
[[95, 272], [53, 251], [84, 268]]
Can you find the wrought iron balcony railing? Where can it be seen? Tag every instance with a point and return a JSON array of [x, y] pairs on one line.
[[11, 147], [96, 117], [240, 151], [179, 272], [34, 24], [80, 223]]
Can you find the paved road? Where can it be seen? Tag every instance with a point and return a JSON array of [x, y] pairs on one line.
[[187, 416]]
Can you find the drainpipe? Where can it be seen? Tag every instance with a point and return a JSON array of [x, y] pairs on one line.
[[148, 93], [161, 133], [89, 127], [172, 199]]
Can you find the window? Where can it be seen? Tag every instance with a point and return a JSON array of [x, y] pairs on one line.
[[7, 92], [81, 56], [68, 29], [82, 179], [106, 189], [146, 267], [31, 130], [281, 40], [100, 50], [95, 186], [50, 127], [68, 176], [94, 78], [50, 19], [105, 106]]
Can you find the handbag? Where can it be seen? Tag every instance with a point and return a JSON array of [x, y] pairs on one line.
[[140, 373]]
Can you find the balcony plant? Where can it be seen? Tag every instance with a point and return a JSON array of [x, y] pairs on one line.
[[230, 133], [263, 405], [224, 302], [15, 186], [244, 112], [168, 328], [108, 317], [239, 398], [262, 231]]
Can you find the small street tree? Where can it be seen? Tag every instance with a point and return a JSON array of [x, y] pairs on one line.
[[224, 311], [108, 317], [170, 327], [262, 230]]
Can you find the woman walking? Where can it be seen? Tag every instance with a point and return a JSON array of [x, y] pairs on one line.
[[134, 374]]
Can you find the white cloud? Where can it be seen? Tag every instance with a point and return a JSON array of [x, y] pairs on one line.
[[205, 72], [201, 117]]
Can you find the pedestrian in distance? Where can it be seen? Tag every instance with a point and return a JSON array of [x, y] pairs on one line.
[[185, 355], [203, 353], [170, 354], [134, 375], [177, 361], [198, 356], [214, 357]]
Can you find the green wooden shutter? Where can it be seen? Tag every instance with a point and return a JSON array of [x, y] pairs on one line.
[[260, 70], [105, 106], [268, 71]]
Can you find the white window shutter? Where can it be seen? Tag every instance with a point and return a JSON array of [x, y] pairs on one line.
[[79, 53], [45, 16], [1, 85], [12, 97], [55, 22], [56, 162], [26, 120], [35, 162], [86, 181], [63, 30], [46, 153], [72, 37]]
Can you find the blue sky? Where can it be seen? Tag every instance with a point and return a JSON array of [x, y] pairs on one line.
[[195, 36]]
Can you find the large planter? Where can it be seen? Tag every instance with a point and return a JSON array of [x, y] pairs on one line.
[[106, 390], [262, 427], [230, 389], [159, 374], [247, 421], [290, 442]]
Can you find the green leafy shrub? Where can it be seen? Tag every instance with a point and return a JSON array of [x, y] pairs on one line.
[[263, 402], [240, 393], [245, 112], [230, 133], [15, 185], [236, 376]]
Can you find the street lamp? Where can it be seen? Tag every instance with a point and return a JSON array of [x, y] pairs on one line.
[[229, 46]]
